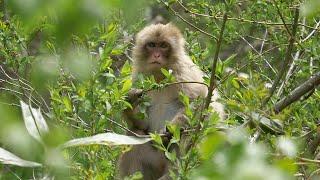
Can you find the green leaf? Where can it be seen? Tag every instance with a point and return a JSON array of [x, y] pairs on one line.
[[165, 72], [67, 104], [126, 86], [156, 138], [127, 104], [235, 83], [210, 145], [184, 99], [228, 61], [126, 69], [171, 155], [175, 131]]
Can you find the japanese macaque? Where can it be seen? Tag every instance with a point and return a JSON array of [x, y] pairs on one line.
[[161, 46]]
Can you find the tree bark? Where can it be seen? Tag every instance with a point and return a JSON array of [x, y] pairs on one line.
[[304, 88]]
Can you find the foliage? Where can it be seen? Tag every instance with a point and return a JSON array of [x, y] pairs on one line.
[[72, 59]]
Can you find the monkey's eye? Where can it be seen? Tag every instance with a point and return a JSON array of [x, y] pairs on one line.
[[151, 44], [164, 45]]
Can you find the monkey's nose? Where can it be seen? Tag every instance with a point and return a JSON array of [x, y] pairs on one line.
[[156, 55]]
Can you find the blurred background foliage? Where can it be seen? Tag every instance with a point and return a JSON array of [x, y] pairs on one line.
[[71, 58]]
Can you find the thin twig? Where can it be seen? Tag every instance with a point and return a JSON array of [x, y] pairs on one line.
[[23, 84], [214, 64], [127, 129], [186, 21], [312, 32], [313, 173], [289, 73], [10, 104], [255, 136], [286, 60], [264, 40], [175, 83], [282, 19], [223, 79], [254, 49], [245, 20], [187, 82], [12, 91], [308, 160]]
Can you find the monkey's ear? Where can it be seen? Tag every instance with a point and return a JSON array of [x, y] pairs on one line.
[[158, 20], [171, 25], [176, 33]]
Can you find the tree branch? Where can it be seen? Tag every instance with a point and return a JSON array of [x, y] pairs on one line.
[[304, 88], [214, 64], [287, 59]]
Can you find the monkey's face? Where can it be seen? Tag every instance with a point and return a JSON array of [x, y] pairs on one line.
[[157, 46], [157, 54]]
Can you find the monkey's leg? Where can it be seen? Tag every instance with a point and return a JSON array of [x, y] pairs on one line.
[[180, 119], [165, 177], [144, 158]]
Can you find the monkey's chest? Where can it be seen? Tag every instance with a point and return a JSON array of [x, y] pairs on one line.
[[160, 111]]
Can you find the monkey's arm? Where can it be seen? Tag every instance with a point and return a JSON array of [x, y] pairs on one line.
[[134, 124], [134, 95], [180, 119]]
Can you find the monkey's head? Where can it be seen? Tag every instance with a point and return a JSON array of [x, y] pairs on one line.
[[157, 46]]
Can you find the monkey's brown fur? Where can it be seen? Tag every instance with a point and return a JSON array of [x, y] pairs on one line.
[[165, 105]]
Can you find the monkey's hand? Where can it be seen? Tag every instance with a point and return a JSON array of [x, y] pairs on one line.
[[180, 119], [134, 95]]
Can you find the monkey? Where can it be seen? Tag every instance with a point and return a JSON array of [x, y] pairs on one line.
[[161, 46]]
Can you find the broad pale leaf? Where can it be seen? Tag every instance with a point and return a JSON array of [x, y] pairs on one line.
[[109, 139], [34, 121], [7, 157]]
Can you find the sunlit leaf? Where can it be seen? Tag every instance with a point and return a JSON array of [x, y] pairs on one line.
[[126, 86], [165, 72], [156, 138], [7, 157], [67, 104], [235, 83], [126, 69], [109, 139], [171, 155], [35, 123]]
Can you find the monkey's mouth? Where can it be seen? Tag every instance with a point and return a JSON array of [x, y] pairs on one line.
[[156, 63]]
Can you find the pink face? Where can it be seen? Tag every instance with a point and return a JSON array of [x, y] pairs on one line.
[[158, 53]]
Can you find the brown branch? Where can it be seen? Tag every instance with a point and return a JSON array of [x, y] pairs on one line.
[[214, 64], [298, 92], [4, 10], [282, 18], [286, 60]]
